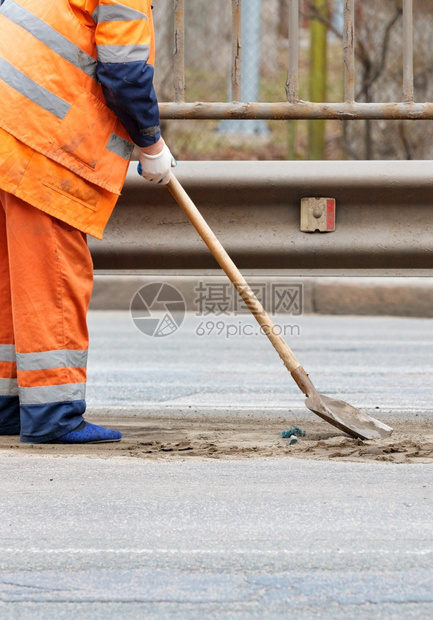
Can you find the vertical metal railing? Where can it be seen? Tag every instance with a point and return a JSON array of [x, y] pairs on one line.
[[349, 51], [292, 85], [236, 76], [179, 51], [293, 108], [408, 90]]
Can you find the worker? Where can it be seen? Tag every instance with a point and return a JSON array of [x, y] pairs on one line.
[[76, 95]]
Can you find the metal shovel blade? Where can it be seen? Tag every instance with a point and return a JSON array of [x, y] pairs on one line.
[[349, 419]]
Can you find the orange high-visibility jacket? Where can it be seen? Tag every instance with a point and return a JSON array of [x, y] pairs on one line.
[[48, 67], [50, 97]]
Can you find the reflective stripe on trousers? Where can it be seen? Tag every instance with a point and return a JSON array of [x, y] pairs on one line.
[[8, 363], [46, 277], [39, 373]]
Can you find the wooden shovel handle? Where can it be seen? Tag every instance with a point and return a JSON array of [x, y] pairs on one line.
[[233, 273]]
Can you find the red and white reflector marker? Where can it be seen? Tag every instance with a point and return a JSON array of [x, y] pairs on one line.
[[317, 214]]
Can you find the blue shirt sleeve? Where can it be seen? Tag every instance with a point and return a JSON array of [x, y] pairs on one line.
[[129, 92]]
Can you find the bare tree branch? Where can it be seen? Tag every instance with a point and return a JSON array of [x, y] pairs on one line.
[[368, 82]]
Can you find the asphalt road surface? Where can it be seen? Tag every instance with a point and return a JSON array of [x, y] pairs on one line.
[[225, 362], [192, 537]]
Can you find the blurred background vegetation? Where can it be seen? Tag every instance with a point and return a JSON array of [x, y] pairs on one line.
[[379, 35]]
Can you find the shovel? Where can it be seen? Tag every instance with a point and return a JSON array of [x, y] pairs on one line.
[[352, 421]]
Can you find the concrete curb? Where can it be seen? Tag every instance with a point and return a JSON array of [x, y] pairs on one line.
[[166, 411], [391, 296]]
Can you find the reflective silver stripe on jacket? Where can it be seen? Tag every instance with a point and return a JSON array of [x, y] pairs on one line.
[[8, 387], [50, 37], [63, 358], [116, 13], [120, 146], [150, 131], [123, 53], [52, 394], [7, 353], [33, 91]]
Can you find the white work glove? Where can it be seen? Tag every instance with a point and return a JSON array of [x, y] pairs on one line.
[[156, 168]]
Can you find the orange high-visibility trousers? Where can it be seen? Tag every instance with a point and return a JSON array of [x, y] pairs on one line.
[[46, 278]]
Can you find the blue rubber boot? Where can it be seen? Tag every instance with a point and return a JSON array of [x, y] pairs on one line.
[[89, 433]]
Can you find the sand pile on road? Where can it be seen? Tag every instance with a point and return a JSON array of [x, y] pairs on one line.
[[225, 437]]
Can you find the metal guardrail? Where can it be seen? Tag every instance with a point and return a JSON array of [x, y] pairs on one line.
[[383, 210], [294, 108]]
